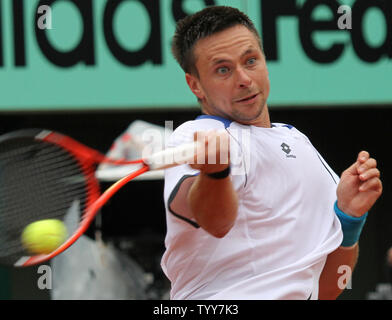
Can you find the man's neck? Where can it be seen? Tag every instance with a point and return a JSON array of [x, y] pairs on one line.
[[263, 120]]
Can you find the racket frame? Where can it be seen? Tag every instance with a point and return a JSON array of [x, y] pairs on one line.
[[88, 157]]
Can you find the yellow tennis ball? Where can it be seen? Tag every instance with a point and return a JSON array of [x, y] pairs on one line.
[[44, 236]]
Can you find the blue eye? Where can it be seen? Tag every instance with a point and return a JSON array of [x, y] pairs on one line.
[[251, 61], [222, 70]]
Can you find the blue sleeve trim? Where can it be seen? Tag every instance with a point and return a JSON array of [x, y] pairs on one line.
[[226, 122], [289, 126], [173, 195]]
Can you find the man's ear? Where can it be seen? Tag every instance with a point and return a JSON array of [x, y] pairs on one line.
[[194, 85]]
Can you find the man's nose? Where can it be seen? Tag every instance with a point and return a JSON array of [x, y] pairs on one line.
[[243, 78]]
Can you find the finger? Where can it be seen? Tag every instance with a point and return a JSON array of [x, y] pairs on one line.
[[214, 147], [203, 138], [368, 164], [363, 156], [372, 184], [369, 174], [352, 170], [199, 158], [223, 147], [218, 147]]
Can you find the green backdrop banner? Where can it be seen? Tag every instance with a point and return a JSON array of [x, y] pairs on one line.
[[111, 54]]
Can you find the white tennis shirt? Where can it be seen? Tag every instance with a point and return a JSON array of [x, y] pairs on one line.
[[285, 228]]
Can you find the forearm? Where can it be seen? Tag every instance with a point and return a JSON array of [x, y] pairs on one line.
[[337, 272], [214, 204]]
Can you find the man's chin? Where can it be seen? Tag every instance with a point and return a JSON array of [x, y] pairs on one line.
[[248, 117]]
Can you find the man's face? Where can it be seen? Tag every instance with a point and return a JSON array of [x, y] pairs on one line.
[[233, 77]]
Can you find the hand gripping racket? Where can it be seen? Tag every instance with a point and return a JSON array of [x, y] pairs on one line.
[[45, 174]]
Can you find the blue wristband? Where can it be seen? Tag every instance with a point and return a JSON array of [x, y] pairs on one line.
[[351, 226]]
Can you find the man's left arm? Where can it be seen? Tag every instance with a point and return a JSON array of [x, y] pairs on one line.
[[359, 188]]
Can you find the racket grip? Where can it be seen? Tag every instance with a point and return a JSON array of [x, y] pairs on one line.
[[170, 157]]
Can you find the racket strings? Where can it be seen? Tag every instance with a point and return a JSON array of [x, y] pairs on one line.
[[51, 171], [38, 181], [53, 159]]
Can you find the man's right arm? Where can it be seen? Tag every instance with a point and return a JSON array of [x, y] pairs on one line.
[[211, 202]]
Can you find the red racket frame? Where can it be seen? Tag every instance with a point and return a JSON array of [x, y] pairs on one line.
[[87, 158]]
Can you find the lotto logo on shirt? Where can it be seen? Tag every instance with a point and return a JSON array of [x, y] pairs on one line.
[[287, 150]]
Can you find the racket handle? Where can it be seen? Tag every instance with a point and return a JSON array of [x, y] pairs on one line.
[[170, 157]]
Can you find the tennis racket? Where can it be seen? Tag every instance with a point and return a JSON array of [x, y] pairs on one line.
[[45, 175]]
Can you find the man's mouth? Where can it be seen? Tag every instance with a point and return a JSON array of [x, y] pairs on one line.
[[247, 98]]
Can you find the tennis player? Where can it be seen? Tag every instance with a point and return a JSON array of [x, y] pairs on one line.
[[260, 215]]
